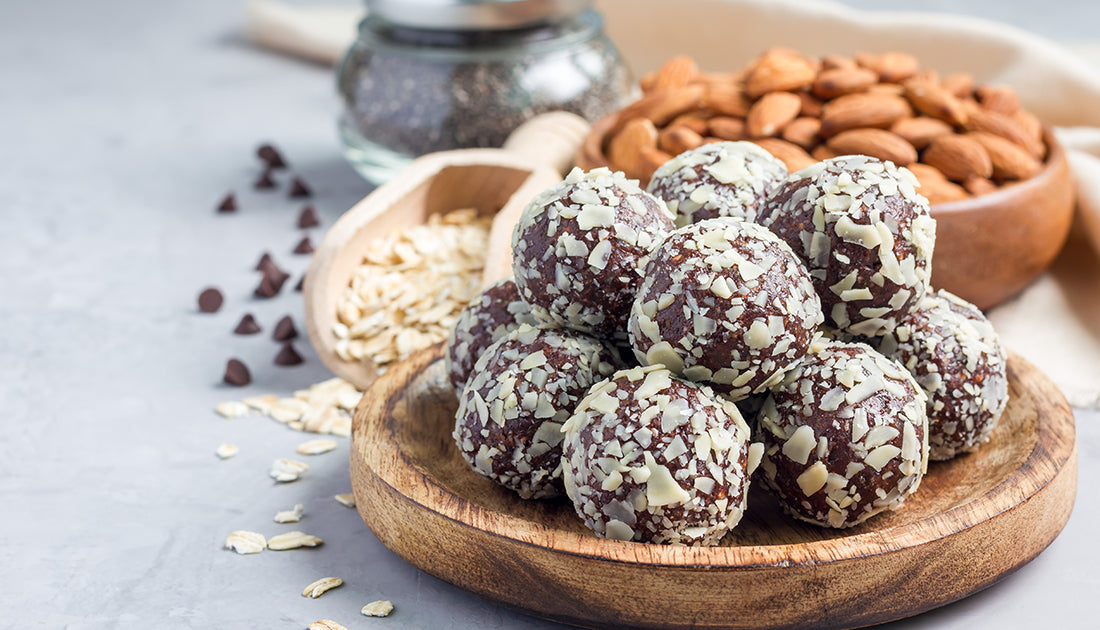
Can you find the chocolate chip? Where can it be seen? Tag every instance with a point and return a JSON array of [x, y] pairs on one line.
[[265, 262], [271, 282], [264, 182], [236, 373], [285, 329], [247, 325], [308, 218], [288, 355], [298, 188], [271, 156], [210, 300], [301, 282], [304, 246], [228, 204]]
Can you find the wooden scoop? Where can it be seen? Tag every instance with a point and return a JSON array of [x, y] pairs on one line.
[[497, 182]]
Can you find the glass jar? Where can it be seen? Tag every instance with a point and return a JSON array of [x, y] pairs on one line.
[[430, 75]]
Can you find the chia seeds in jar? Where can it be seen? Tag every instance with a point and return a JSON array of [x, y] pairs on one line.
[[431, 75]]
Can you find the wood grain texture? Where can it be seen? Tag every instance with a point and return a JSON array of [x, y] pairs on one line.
[[497, 182], [988, 248], [974, 520]]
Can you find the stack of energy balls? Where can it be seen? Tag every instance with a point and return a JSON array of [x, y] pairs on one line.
[[656, 348]]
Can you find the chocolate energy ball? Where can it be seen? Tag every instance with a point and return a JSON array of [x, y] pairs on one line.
[[845, 435], [727, 303], [720, 179], [864, 232], [524, 387], [580, 246], [495, 312], [651, 458], [949, 346]]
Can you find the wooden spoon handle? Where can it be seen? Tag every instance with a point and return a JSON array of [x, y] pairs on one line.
[[550, 139]]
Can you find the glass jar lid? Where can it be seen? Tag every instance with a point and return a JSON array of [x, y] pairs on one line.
[[473, 14]]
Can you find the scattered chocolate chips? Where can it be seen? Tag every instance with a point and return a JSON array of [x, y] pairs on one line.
[[298, 188], [228, 204], [288, 355], [308, 218], [271, 156], [271, 282], [265, 182], [210, 300], [301, 283], [236, 373], [285, 329], [247, 325], [264, 262], [304, 246]]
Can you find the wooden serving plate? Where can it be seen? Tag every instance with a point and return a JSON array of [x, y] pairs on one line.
[[974, 520]]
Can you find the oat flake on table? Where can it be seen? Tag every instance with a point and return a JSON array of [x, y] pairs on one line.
[[286, 470], [322, 586], [321, 408], [379, 608], [346, 499], [290, 516], [292, 540], [246, 542]]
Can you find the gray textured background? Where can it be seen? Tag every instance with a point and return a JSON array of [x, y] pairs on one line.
[[124, 123]]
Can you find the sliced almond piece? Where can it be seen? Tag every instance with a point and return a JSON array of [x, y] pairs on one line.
[[862, 110], [878, 143], [771, 113], [958, 158], [1010, 160]]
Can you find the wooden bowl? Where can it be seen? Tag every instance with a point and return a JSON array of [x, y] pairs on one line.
[[973, 521], [988, 248]]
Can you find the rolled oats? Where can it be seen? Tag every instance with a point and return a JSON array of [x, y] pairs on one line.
[[379, 608], [321, 586], [286, 470], [292, 540], [231, 409], [245, 542], [326, 624], [225, 451], [289, 516], [346, 499], [316, 447]]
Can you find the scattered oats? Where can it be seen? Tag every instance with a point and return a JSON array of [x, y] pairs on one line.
[[261, 403], [292, 540], [409, 289], [289, 516], [379, 608], [231, 409], [288, 410], [347, 499], [342, 427], [316, 447], [244, 542], [321, 586], [284, 470], [326, 624], [225, 451]]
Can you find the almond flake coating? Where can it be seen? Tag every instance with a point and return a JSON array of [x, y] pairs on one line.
[[346, 499], [949, 346], [326, 624], [845, 435], [292, 540], [494, 313], [727, 303], [322, 586], [316, 447], [720, 179], [379, 608], [225, 451], [290, 516], [287, 470], [652, 458], [865, 234], [245, 542], [592, 230]]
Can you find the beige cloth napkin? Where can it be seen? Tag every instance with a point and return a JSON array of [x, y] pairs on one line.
[[1055, 322]]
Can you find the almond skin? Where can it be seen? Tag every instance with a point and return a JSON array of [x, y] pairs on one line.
[[978, 186], [941, 191], [771, 113], [931, 99], [958, 158], [778, 70], [891, 67], [840, 81], [960, 84], [625, 148], [790, 154], [876, 143], [998, 98], [676, 139], [862, 110], [803, 131], [726, 100], [920, 130], [727, 128], [1010, 160], [999, 124], [676, 72]]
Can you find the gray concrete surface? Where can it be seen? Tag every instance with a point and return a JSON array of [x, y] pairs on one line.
[[123, 124]]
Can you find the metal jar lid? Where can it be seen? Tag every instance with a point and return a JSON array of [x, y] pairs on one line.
[[473, 14]]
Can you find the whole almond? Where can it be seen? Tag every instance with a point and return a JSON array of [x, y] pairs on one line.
[[958, 158], [803, 131], [874, 142], [840, 81], [960, 84], [822, 152], [941, 191], [726, 99], [625, 148], [998, 98], [920, 130], [675, 139], [727, 128], [933, 100], [925, 172], [778, 70], [649, 160], [811, 105], [891, 67], [978, 186], [695, 121], [829, 62], [790, 154], [891, 89], [769, 114], [999, 124], [853, 111], [1010, 160], [661, 107], [676, 72]]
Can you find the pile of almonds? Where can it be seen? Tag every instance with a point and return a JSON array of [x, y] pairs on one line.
[[959, 139]]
